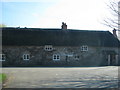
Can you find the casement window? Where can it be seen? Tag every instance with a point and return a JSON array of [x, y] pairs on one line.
[[84, 48], [2, 57], [56, 57], [26, 57], [48, 48]]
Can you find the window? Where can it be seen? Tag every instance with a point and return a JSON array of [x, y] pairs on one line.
[[56, 57], [2, 57], [84, 48], [48, 48], [76, 57], [26, 57]]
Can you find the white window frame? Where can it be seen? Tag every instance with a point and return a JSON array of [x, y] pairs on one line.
[[48, 48], [55, 57], [84, 48], [26, 56], [2, 57]]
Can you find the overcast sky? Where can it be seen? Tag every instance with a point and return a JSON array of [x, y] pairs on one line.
[[78, 14]]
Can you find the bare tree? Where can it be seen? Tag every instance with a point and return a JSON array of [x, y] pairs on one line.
[[113, 22]]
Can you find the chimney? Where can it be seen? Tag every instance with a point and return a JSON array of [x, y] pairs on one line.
[[64, 26], [114, 32]]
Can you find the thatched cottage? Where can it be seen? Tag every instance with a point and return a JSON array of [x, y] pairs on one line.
[[58, 47]]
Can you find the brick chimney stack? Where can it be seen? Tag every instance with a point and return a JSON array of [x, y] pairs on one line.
[[64, 26], [114, 32]]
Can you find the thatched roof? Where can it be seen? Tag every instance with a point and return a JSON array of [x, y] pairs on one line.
[[57, 37]]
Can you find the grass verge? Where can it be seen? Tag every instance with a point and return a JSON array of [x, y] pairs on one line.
[[2, 77]]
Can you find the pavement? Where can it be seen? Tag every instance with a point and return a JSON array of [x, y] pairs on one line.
[[62, 77]]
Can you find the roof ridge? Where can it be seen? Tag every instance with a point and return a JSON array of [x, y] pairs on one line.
[[54, 29]]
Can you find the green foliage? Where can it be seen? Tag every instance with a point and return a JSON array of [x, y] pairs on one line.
[[3, 25], [2, 77]]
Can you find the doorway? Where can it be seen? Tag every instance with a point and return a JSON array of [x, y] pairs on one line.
[[112, 59]]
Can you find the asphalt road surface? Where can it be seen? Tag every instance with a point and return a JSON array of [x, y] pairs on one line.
[[61, 77]]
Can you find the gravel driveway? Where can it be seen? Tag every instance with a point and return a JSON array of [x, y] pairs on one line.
[[60, 77]]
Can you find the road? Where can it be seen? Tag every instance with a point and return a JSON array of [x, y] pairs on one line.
[[60, 77]]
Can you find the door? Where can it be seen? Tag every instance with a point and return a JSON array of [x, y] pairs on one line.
[[112, 59]]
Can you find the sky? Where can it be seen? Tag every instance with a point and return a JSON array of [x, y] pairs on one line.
[[77, 14]]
